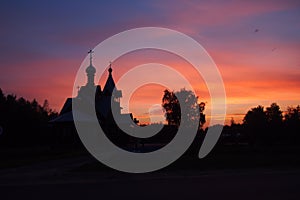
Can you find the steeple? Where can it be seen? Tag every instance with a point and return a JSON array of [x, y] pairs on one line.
[[90, 71], [110, 83], [110, 69]]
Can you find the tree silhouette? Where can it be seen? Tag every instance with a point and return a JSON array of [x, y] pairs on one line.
[[171, 105], [23, 122], [274, 114], [255, 122], [265, 126], [292, 124], [275, 122], [2, 97], [293, 114], [194, 111]]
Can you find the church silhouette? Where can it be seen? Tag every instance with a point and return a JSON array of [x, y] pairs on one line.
[[105, 100]]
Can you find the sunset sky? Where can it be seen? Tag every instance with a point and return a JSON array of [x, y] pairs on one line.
[[255, 44]]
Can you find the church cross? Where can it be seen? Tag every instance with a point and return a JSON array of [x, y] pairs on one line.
[[91, 55]]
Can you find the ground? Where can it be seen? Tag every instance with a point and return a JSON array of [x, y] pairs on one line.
[[82, 177]]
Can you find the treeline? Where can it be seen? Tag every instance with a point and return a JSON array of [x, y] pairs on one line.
[[23, 122], [265, 126]]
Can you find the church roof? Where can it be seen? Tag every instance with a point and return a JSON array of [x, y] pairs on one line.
[[67, 107], [90, 69], [110, 84], [68, 117]]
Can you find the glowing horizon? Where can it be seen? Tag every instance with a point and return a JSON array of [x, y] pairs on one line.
[[255, 44]]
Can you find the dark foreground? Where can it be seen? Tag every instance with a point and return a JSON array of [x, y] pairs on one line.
[[244, 184], [78, 178]]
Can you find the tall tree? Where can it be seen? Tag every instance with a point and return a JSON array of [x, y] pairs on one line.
[[292, 114], [171, 105], [275, 123], [274, 114], [292, 124], [255, 117], [194, 111], [255, 122]]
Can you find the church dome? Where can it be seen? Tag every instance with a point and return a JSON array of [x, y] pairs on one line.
[[90, 70]]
